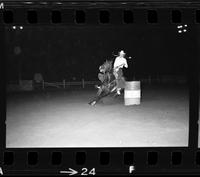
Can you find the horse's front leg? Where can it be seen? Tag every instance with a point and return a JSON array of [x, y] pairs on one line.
[[97, 98], [101, 95], [99, 91]]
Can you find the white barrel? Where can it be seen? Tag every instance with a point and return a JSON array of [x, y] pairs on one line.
[[132, 93]]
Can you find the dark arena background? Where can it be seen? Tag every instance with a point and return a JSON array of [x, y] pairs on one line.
[[54, 111]]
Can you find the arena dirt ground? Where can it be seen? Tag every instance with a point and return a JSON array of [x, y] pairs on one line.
[[65, 119]]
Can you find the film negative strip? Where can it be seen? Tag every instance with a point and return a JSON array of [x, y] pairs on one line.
[[99, 88]]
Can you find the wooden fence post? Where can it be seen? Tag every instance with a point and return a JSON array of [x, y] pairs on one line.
[[83, 83], [64, 83], [149, 79], [43, 84]]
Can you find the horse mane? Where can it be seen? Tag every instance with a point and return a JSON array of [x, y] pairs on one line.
[[108, 64]]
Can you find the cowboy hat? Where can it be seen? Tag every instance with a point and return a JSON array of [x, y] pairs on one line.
[[122, 52]]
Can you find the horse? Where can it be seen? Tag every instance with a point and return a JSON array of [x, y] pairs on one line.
[[109, 82]]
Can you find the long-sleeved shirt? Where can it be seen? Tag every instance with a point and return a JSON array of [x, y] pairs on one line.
[[120, 62]]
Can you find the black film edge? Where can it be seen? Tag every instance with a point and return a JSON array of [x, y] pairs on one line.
[[142, 119]]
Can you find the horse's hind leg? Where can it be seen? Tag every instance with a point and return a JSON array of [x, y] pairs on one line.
[[114, 88]]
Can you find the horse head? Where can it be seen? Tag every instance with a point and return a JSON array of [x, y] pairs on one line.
[[106, 67]]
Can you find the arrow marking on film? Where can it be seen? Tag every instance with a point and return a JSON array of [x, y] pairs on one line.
[[71, 171]]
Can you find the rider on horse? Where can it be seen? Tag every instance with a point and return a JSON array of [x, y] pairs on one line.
[[111, 77], [120, 62]]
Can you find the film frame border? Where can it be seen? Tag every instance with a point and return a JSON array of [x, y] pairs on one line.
[[116, 157]]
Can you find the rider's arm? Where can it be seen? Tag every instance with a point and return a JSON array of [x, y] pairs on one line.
[[125, 63]]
